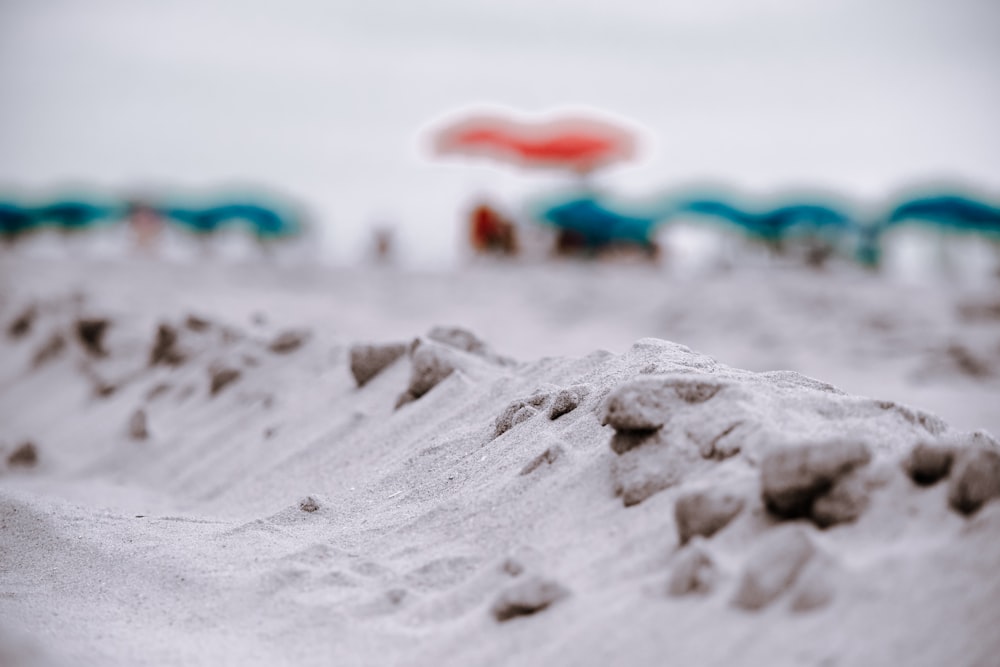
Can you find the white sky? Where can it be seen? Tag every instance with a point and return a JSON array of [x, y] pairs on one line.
[[325, 100]]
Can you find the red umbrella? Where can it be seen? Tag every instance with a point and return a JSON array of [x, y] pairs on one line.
[[578, 143]]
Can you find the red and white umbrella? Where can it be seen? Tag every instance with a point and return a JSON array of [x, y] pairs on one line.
[[577, 143]]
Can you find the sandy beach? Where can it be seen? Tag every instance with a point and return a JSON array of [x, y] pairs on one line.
[[475, 334], [538, 464]]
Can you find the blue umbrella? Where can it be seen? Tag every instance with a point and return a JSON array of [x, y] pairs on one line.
[[774, 225], [951, 211], [194, 220], [596, 225], [264, 222], [15, 220], [74, 215]]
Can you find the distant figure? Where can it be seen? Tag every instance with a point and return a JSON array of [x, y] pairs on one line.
[[383, 245], [490, 232], [570, 242], [146, 224]]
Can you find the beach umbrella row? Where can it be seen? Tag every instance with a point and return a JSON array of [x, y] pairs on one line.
[[601, 221], [956, 212], [71, 215], [583, 143], [66, 215]]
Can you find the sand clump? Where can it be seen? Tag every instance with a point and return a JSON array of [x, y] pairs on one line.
[[655, 466], [519, 411], [669, 425], [367, 361], [176, 344], [929, 463], [705, 512], [466, 341], [794, 478], [166, 349], [846, 500], [655, 448], [971, 465], [21, 325], [527, 597], [430, 364], [975, 479], [568, 399], [221, 376], [24, 455], [90, 331], [197, 324], [288, 341], [432, 361], [646, 403], [309, 504]]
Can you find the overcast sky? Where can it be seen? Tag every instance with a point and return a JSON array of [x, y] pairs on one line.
[[326, 100]]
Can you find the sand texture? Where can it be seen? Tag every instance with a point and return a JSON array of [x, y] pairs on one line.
[[183, 484]]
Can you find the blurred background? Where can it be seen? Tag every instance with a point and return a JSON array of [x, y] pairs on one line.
[[329, 103]]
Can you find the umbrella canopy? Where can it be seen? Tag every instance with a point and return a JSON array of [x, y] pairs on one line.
[[577, 143], [775, 224], [15, 220], [264, 222], [955, 211], [75, 215], [597, 224]]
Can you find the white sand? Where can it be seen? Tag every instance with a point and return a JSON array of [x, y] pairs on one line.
[[191, 546]]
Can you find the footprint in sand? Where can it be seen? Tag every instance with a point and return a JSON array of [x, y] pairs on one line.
[[21, 325]]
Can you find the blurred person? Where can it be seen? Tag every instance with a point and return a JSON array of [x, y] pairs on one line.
[[569, 242], [383, 244], [491, 233], [146, 224]]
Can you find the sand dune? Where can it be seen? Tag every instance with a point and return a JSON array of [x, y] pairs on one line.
[[315, 468]]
